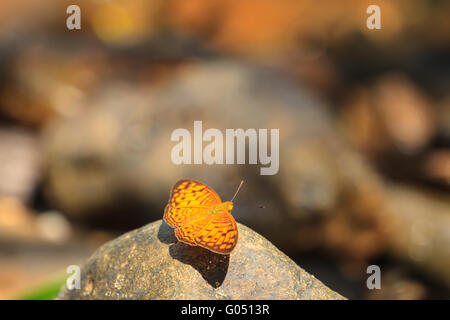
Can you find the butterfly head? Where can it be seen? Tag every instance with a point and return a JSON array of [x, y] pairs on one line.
[[229, 205]]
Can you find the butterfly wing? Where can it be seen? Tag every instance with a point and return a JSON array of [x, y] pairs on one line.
[[192, 226], [188, 198], [220, 234]]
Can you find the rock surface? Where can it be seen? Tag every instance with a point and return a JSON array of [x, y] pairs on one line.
[[149, 263]]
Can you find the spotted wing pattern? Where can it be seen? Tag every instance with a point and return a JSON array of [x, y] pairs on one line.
[[189, 197], [188, 232], [220, 235]]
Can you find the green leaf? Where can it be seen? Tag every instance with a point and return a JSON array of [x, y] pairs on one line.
[[46, 291]]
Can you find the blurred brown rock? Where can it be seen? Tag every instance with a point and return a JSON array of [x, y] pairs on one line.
[[437, 166], [443, 118], [16, 221], [392, 115], [19, 223], [397, 285], [44, 82], [19, 162], [421, 224]]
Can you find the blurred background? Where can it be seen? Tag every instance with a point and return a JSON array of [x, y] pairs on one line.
[[364, 118]]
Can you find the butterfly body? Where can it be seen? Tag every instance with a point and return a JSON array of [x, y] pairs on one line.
[[227, 206], [200, 218]]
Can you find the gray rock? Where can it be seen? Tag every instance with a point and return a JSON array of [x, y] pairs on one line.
[[149, 263]]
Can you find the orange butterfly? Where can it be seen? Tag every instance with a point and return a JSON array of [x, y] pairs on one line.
[[200, 218]]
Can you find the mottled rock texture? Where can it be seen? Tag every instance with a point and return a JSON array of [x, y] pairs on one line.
[[149, 263]]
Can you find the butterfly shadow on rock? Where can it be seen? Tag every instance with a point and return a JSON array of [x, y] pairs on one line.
[[213, 267]]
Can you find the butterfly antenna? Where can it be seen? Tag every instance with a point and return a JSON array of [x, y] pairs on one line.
[[240, 185]]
